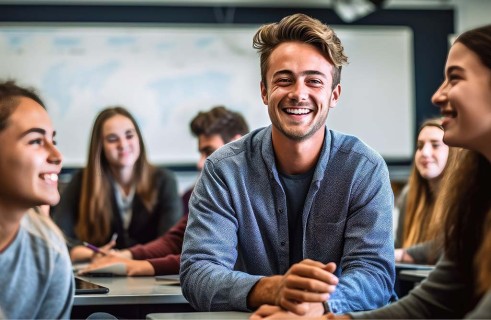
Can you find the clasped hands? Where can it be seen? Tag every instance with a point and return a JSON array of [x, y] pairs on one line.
[[300, 292]]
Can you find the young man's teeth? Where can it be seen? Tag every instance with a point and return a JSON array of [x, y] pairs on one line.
[[298, 111]]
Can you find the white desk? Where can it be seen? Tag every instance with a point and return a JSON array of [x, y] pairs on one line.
[[199, 315], [130, 297], [131, 290]]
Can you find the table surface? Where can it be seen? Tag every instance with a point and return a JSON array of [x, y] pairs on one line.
[[131, 290], [199, 315], [414, 275]]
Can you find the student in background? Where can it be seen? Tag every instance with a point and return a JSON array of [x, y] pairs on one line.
[[119, 192], [294, 211], [213, 128], [36, 276], [460, 285], [417, 222]]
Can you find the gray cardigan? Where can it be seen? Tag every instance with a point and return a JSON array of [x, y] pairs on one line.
[[442, 295], [422, 253]]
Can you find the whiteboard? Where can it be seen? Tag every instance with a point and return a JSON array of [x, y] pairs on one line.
[[166, 74]]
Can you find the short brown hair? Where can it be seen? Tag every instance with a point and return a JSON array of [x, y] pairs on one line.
[[300, 27], [219, 120]]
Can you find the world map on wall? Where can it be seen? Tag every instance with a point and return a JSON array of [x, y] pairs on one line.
[[164, 75]]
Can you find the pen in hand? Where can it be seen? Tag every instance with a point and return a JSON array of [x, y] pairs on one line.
[[106, 248], [93, 248]]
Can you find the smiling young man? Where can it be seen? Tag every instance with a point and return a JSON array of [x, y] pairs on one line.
[[294, 214]]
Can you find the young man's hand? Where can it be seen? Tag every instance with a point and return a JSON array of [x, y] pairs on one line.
[[300, 291]]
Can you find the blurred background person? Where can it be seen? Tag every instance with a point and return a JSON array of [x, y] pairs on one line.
[[213, 128], [119, 192], [416, 202]]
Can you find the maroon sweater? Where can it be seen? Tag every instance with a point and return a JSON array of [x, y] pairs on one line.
[[163, 253]]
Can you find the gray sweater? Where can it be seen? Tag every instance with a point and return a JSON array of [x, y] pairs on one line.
[[442, 295], [37, 279], [422, 253]]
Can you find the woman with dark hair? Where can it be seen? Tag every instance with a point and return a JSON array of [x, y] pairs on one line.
[[119, 191], [460, 285]]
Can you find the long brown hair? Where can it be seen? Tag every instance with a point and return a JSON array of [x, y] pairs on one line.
[[466, 208], [421, 200], [95, 208], [467, 201]]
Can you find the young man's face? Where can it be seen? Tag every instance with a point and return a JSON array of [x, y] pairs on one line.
[[298, 90], [206, 146]]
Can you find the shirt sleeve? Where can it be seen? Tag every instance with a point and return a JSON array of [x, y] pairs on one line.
[[164, 253], [367, 265], [169, 243], [483, 308], [166, 265], [441, 296], [208, 279], [426, 252]]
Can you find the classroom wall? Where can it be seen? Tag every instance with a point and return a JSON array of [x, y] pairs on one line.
[[430, 29], [166, 74], [471, 13]]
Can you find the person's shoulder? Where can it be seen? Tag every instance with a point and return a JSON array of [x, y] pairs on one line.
[[405, 190], [163, 177], [163, 173], [43, 231], [354, 146], [245, 145]]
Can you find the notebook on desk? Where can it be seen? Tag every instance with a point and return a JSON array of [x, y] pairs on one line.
[[114, 269], [86, 287]]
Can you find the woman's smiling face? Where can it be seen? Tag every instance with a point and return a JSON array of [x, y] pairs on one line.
[[464, 100], [29, 160]]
